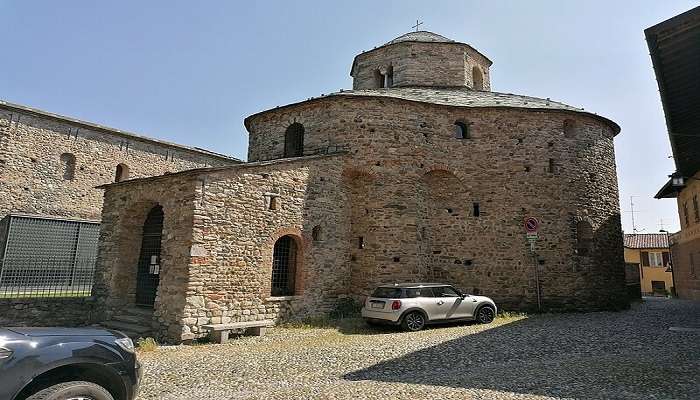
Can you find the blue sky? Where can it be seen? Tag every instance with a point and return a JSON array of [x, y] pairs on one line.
[[190, 72]]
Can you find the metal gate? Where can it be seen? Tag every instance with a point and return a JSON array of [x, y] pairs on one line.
[[148, 272], [46, 257]]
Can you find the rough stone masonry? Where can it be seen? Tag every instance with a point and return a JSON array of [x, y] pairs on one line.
[[50, 166], [419, 173]]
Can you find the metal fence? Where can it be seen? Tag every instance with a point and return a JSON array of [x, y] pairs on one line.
[[46, 257]]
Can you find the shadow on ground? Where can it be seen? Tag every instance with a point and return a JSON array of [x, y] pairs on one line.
[[629, 354]]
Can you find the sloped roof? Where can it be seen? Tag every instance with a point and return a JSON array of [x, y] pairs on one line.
[[674, 46], [420, 36], [113, 131], [454, 96], [646, 241]]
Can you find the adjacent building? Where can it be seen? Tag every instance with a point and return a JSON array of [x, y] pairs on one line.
[[674, 46], [50, 208], [420, 172], [648, 257]]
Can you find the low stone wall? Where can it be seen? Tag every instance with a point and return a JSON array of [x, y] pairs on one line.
[[46, 312]]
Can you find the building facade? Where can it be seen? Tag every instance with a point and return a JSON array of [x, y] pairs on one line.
[[419, 173], [50, 166], [650, 256], [674, 46]]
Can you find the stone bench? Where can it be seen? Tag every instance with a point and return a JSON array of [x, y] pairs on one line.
[[219, 332]]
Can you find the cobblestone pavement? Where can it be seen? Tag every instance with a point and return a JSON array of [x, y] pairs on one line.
[[624, 355]]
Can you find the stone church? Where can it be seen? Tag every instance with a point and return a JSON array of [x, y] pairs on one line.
[[419, 173]]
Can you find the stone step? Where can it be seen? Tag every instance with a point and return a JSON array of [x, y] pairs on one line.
[[148, 312], [134, 319], [126, 327]]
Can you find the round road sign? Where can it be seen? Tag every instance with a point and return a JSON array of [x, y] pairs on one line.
[[531, 224]]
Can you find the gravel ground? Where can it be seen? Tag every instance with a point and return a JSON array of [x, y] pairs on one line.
[[624, 355]]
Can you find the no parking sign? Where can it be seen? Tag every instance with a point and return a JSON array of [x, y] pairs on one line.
[[531, 225]]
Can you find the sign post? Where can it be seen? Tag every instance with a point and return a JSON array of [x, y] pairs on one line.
[[532, 226]]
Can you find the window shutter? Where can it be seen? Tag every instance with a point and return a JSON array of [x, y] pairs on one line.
[[645, 259], [665, 257]]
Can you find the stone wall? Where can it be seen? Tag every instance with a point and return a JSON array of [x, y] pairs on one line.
[[421, 64], [50, 165], [47, 312], [126, 206], [34, 152], [235, 231], [414, 187], [218, 237]]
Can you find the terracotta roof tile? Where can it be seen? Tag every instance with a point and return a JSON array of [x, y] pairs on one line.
[[646, 241]]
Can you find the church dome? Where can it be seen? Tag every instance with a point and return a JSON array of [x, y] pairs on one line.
[[421, 58], [420, 36]]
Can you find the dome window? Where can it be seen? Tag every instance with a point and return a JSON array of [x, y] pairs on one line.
[[477, 79], [384, 77]]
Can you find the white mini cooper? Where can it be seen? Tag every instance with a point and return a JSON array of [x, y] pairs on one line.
[[413, 305]]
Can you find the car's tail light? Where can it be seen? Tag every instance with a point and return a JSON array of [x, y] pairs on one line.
[[396, 304]]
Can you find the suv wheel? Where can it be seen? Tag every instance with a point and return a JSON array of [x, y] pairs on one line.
[[413, 321], [76, 390], [485, 315]]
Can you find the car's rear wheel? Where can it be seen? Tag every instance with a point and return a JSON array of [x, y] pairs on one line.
[[75, 390], [485, 315], [413, 321]]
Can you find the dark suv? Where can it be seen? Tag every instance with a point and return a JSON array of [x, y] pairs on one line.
[[67, 363]]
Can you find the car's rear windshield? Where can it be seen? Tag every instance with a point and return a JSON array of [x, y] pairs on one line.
[[388, 293]]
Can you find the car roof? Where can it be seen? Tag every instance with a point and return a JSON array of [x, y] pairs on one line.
[[415, 285]]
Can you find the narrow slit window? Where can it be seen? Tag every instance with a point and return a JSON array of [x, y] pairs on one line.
[[68, 164], [461, 130], [477, 210], [273, 203], [317, 233], [360, 242], [551, 167]]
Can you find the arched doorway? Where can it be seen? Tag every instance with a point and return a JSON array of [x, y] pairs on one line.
[[148, 273], [284, 262]]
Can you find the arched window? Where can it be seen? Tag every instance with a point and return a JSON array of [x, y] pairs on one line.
[[389, 77], [68, 164], [461, 130], [569, 128], [317, 233], [294, 140], [584, 237], [378, 78], [122, 173], [284, 260], [477, 79]]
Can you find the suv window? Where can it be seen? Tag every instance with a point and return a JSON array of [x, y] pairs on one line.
[[444, 291], [419, 292], [388, 293]]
